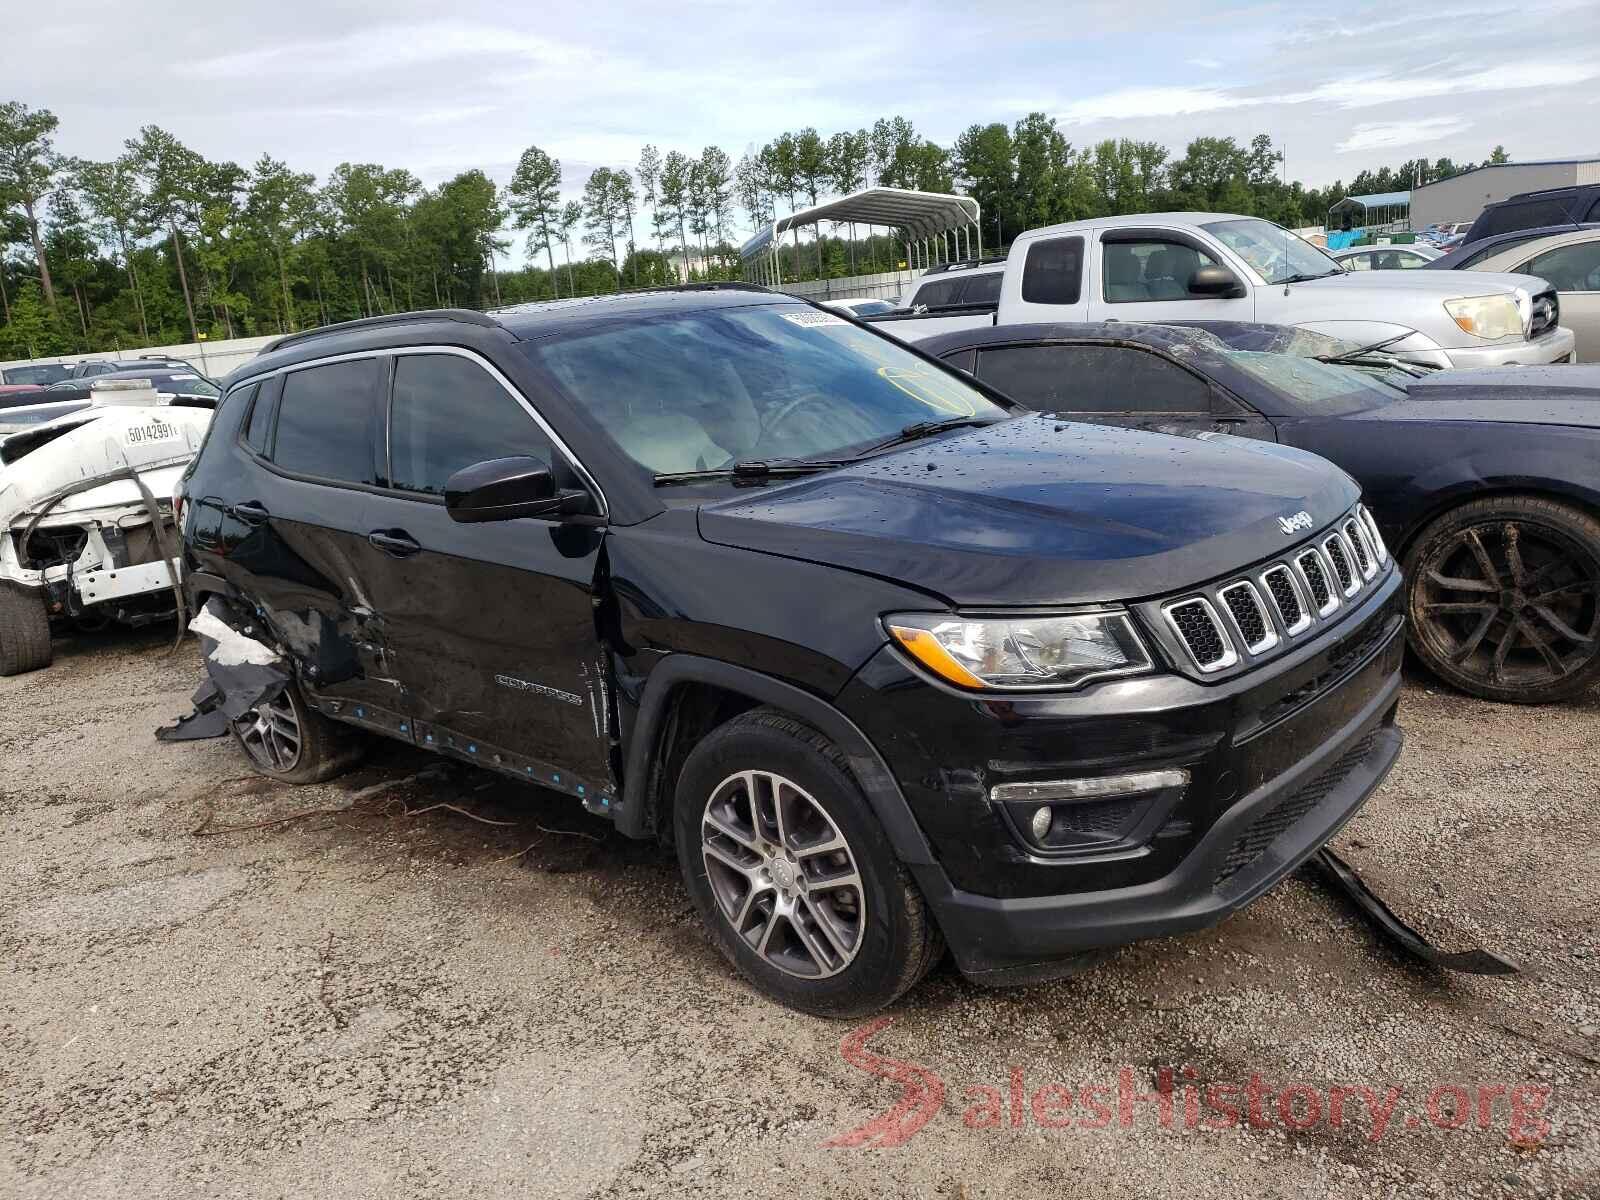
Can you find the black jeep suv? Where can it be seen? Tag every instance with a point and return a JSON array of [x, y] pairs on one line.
[[891, 663]]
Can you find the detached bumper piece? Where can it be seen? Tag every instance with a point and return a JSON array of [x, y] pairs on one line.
[[241, 674], [1342, 876]]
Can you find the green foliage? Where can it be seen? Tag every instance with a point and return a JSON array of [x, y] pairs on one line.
[[159, 243]]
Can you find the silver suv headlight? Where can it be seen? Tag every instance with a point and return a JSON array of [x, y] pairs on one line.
[[1487, 317], [1057, 652]]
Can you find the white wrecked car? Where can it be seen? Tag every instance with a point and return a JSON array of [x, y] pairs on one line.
[[86, 526]]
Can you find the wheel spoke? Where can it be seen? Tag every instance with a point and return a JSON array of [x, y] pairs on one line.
[[1510, 536], [848, 878], [1469, 647], [722, 856], [824, 956], [1561, 626], [729, 830], [1491, 574], [1463, 606], [1460, 585], [766, 932], [1543, 647], [1577, 587], [1503, 650], [828, 846], [819, 913]]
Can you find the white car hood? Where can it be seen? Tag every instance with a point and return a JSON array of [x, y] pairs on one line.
[[145, 440], [1444, 284]]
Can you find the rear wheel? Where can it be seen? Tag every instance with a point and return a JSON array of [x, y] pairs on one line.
[[24, 631], [285, 739], [1504, 598], [792, 874]]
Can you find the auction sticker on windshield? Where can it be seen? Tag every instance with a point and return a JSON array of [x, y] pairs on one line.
[[811, 320], [151, 431]]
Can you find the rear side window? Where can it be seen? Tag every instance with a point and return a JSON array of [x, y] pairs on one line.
[[1528, 215], [257, 418], [939, 294], [1093, 379], [1053, 272], [325, 421], [1568, 268], [449, 413], [982, 289]]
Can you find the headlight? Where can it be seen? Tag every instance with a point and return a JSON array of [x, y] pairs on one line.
[[1488, 317], [1021, 652]]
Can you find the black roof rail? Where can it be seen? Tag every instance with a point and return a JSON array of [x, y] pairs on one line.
[[937, 268], [1565, 187], [465, 315], [709, 285]]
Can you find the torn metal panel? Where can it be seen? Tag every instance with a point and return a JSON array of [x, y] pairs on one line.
[[1473, 962], [242, 674]]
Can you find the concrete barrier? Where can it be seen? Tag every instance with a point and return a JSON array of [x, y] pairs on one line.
[[215, 359]]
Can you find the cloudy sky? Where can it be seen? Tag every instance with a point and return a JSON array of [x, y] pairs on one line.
[[439, 88]]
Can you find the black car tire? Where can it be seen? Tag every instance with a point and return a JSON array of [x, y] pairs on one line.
[[1459, 617], [24, 631], [325, 748], [898, 942]]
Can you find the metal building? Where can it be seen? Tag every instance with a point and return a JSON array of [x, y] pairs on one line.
[[1462, 197]]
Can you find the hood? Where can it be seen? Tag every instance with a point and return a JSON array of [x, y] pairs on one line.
[[1489, 408], [1513, 387], [1034, 511], [1443, 284]]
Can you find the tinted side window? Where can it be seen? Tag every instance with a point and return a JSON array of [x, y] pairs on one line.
[[1528, 215], [257, 418], [1569, 268], [1594, 212], [1053, 272], [982, 289], [448, 413], [325, 421], [962, 360], [940, 293], [1093, 379]]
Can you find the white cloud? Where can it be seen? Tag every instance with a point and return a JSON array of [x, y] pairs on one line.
[[1384, 134], [1128, 103]]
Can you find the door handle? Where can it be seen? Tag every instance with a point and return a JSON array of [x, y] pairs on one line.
[[396, 542], [250, 510]]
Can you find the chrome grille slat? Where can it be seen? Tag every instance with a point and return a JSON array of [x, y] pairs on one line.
[[1196, 624], [1356, 535], [1250, 617], [1317, 575], [1294, 614], [1341, 559]]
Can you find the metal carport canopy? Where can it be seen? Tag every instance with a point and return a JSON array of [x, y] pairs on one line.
[[918, 214]]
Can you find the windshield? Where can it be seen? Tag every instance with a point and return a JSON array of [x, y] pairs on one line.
[[701, 390], [1317, 389], [41, 374], [1272, 251]]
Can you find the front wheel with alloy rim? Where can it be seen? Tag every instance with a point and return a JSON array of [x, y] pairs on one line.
[[285, 739], [791, 872], [1504, 599]]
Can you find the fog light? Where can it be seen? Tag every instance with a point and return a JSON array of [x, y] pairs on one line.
[[1041, 823]]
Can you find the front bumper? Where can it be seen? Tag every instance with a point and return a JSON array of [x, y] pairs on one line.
[[1262, 838], [1557, 346], [1279, 758]]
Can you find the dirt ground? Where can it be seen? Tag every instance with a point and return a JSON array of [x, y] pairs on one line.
[[460, 987]]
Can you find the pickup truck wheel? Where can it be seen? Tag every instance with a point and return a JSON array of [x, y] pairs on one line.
[[1504, 598], [792, 874], [24, 632], [284, 739]]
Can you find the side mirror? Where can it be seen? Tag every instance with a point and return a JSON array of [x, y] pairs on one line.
[[503, 489], [1215, 281]]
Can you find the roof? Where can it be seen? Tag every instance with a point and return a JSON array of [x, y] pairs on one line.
[[1532, 162], [1378, 200], [919, 213]]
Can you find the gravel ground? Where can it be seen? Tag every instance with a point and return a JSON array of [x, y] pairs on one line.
[[390, 998]]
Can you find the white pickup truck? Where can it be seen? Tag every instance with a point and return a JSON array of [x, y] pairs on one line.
[[1216, 267]]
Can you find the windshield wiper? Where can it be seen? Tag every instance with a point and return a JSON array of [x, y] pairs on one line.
[[1303, 278], [918, 430], [1352, 355], [749, 469]]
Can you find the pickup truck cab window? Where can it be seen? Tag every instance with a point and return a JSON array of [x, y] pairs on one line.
[[1154, 269], [1053, 273], [324, 426], [429, 440]]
